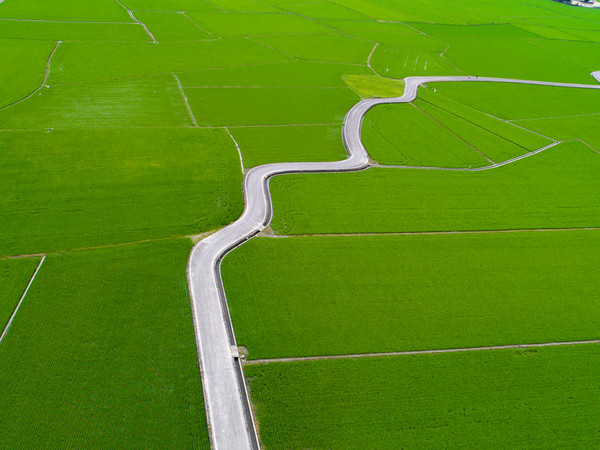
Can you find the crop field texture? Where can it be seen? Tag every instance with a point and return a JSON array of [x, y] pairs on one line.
[[14, 277], [128, 185], [127, 126], [102, 354], [398, 293], [542, 398], [553, 189]]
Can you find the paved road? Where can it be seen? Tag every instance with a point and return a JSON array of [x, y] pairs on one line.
[[229, 416]]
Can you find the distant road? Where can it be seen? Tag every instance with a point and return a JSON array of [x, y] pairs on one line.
[[230, 420]]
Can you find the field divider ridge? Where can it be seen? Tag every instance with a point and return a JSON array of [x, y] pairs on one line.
[[21, 300], [419, 352], [36, 90], [228, 409]]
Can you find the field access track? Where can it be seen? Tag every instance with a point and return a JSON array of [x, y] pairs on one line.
[[228, 407]]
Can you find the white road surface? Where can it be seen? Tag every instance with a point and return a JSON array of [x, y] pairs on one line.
[[230, 420]]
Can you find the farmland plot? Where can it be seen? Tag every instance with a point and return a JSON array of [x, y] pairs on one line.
[[511, 398], [147, 102], [14, 277], [263, 145], [23, 66], [395, 293], [270, 106], [102, 354], [73, 188], [557, 188]]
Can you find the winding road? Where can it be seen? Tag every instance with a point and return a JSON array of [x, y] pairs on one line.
[[229, 414]]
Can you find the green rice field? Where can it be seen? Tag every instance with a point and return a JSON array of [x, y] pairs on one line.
[[396, 293], [128, 185], [15, 274], [102, 354], [552, 189], [126, 128], [536, 398]]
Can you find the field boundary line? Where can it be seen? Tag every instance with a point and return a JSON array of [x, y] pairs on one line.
[[21, 300], [139, 22], [36, 90], [370, 56], [419, 352], [481, 127], [453, 132], [474, 169], [238, 149], [434, 233], [184, 14], [187, 104], [281, 52]]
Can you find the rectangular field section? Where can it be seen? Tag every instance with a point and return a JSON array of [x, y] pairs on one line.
[[361, 294], [542, 398], [102, 354]]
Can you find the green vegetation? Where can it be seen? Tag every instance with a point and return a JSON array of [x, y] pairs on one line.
[[393, 34], [542, 398], [171, 27], [75, 188], [72, 63], [405, 62], [68, 10], [130, 32], [23, 67], [528, 60], [269, 106], [154, 101], [170, 5], [406, 135], [263, 145], [321, 47], [241, 24], [102, 354], [14, 276], [566, 128], [128, 141], [395, 293], [510, 133], [535, 101], [280, 74], [557, 188], [368, 86]]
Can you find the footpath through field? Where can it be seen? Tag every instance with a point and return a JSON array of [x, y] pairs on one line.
[[229, 413]]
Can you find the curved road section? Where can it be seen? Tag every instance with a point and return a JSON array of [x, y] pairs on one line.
[[229, 414]]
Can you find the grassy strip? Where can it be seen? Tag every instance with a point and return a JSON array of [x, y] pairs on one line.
[[542, 398], [347, 295], [554, 189], [102, 354]]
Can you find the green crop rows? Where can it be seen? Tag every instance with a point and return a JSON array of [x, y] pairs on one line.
[[102, 354], [14, 277], [397, 293], [120, 127], [542, 398]]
